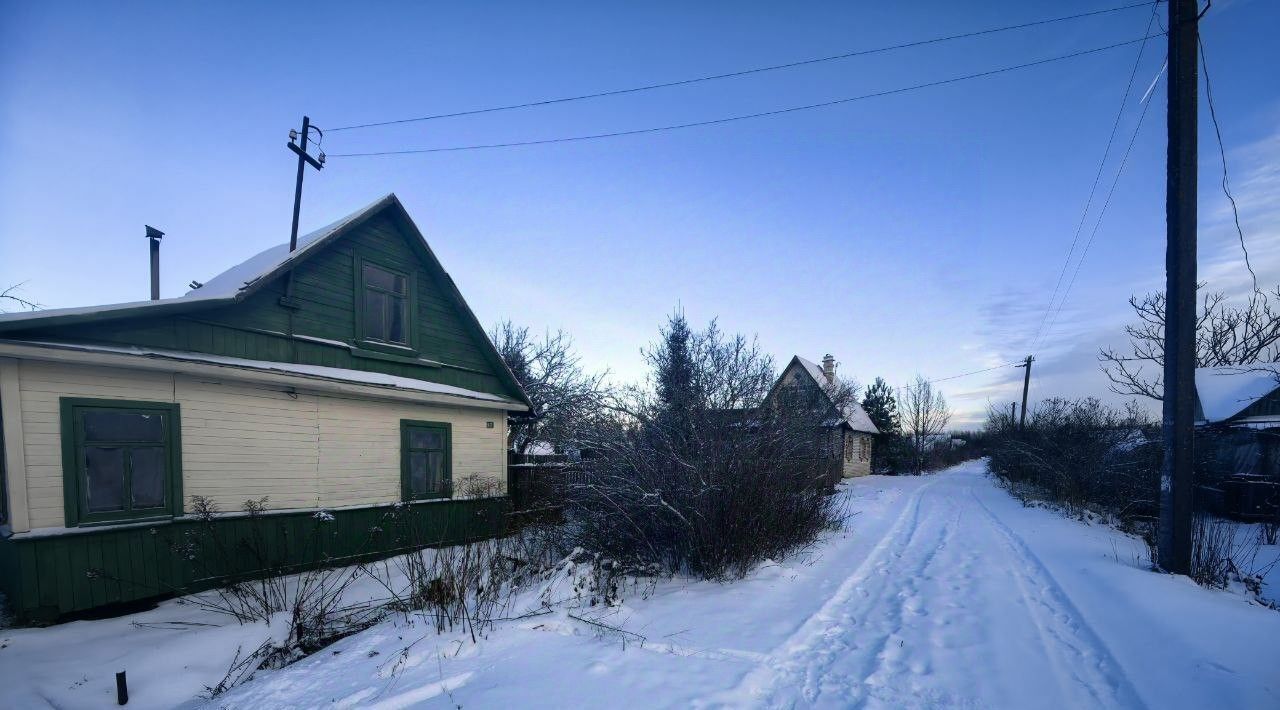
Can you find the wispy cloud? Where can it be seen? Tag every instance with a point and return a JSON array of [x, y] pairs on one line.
[[1255, 183]]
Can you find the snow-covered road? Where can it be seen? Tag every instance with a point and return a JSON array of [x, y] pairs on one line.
[[950, 608], [944, 591]]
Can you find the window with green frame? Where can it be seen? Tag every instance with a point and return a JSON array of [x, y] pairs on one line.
[[425, 460], [384, 303], [121, 460]]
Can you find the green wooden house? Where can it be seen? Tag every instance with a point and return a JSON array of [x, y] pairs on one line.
[[347, 382]]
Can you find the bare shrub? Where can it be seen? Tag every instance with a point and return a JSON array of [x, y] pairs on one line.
[[1213, 549], [694, 473], [1269, 531], [1083, 455], [1221, 554]]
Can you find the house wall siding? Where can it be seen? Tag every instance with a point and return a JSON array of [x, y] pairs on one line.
[[242, 441], [853, 465]]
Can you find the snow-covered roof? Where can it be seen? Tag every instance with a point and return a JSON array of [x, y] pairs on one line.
[[337, 374], [1226, 391], [225, 286], [854, 415], [231, 282]]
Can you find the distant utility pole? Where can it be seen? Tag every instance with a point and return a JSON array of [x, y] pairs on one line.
[[303, 160], [1026, 385], [1174, 543], [1013, 413]]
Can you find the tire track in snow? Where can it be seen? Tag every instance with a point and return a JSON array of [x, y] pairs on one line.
[[864, 670], [792, 657], [1081, 659]]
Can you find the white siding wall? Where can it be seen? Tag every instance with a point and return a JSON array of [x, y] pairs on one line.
[[243, 441], [853, 464]]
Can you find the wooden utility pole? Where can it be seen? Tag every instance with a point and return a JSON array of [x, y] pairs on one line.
[[1026, 385], [1174, 543], [304, 159]]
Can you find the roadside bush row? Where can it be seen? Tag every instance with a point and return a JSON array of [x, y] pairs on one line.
[[1095, 460]]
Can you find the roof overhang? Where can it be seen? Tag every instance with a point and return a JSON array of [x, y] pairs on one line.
[[249, 371]]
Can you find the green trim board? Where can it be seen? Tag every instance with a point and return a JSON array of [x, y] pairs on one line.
[[76, 442], [44, 577], [414, 452]]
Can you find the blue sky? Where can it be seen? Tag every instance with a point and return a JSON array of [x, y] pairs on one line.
[[917, 233]]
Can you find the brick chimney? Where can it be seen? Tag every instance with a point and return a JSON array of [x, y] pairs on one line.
[[829, 368]]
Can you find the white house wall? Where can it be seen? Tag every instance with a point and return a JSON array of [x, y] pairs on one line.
[[242, 441]]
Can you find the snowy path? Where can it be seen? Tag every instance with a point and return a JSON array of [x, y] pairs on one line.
[[944, 592], [946, 600]]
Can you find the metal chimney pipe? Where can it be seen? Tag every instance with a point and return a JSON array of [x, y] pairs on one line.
[[155, 236]]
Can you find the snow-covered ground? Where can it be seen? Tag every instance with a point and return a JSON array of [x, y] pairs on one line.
[[945, 591]]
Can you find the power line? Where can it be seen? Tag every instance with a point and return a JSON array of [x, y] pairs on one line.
[[1097, 178], [730, 119], [1226, 185], [974, 372], [744, 72], [1102, 214]]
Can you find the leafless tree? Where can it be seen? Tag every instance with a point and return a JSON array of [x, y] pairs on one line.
[[9, 298], [693, 472], [1226, 334], [924, 415], [552, 375]]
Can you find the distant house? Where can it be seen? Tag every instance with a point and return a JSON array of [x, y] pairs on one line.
[[1238, 413], [851, 433], [348, 376]]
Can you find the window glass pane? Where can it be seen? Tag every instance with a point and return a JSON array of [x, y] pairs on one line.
[[108, 425], [104, 478], [383, 279], [435, 471], [418, 474], [147, 482], [375, 325], [395, 329], [426, 439]]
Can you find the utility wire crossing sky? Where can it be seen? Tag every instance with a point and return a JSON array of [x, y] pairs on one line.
[[921, 234]]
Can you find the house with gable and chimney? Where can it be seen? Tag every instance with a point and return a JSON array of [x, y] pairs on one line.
[[849, 432], [343, 382]]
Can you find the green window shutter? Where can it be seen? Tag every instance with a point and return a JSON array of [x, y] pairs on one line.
[[426, 460], [121, 461]]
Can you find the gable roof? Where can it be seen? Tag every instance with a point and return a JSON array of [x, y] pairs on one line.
[[246, 278], [1224, 392], [234, 284], [852, 414]]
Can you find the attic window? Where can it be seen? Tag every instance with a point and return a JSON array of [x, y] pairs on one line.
[[385, 305]]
